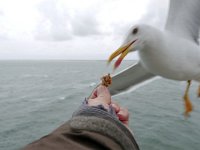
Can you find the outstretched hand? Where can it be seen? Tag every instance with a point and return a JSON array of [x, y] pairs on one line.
[[101, 96]]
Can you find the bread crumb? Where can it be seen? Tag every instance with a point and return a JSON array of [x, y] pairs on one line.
[[106, 80]]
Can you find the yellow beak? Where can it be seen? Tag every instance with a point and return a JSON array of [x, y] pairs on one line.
[[123, 51]]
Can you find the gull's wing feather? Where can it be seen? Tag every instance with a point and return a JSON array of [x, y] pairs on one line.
[[131, 76], [184, 18]]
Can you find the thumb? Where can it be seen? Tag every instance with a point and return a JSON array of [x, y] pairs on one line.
[[103, 92], [101, 95], [100, 91]]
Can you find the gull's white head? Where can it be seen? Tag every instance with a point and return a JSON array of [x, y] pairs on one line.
[[137, 38]]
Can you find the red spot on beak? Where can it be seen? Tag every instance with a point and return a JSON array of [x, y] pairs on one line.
[[117, 63]]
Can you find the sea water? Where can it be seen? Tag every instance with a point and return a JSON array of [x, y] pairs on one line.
[[36, 97]]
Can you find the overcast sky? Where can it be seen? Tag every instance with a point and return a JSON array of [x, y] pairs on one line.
[[72, 29]]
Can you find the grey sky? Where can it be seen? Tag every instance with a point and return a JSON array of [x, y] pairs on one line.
[[72, 29]]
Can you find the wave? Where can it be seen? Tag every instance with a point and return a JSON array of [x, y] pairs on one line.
[[34, 76]]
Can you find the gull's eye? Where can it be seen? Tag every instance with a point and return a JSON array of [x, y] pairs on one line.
[[135, 31]]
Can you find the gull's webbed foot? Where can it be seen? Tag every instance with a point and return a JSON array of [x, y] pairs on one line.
[[187, 102], [198, 92], [188, 105]]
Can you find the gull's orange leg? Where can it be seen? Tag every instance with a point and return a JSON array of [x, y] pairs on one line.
[[198, 92], [188, 104]]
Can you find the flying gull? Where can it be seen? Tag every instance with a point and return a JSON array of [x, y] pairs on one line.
[[173, 53]]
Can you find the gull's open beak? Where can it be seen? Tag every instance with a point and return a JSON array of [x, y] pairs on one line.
[[123, 51]]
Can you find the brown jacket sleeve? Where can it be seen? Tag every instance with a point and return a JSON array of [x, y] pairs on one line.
[[88, 130]]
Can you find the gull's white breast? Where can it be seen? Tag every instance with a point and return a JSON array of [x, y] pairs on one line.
[[171, 57]]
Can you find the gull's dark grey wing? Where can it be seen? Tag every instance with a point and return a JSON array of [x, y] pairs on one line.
[[129, 77], [184, 18]]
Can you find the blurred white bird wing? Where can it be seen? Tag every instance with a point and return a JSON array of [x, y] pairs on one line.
[[129, 77], [184, 19]]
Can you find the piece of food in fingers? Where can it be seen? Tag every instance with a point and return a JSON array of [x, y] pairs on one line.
[[106, 80]]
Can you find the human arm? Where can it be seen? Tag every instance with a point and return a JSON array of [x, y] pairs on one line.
[[99, 124]]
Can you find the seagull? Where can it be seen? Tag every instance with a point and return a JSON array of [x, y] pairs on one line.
[[172, 53]]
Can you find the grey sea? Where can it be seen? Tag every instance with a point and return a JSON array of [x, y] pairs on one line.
[[38, 96]]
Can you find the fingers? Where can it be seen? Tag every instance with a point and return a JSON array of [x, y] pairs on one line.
[[116, 106], [123, 115], [94, 94]]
